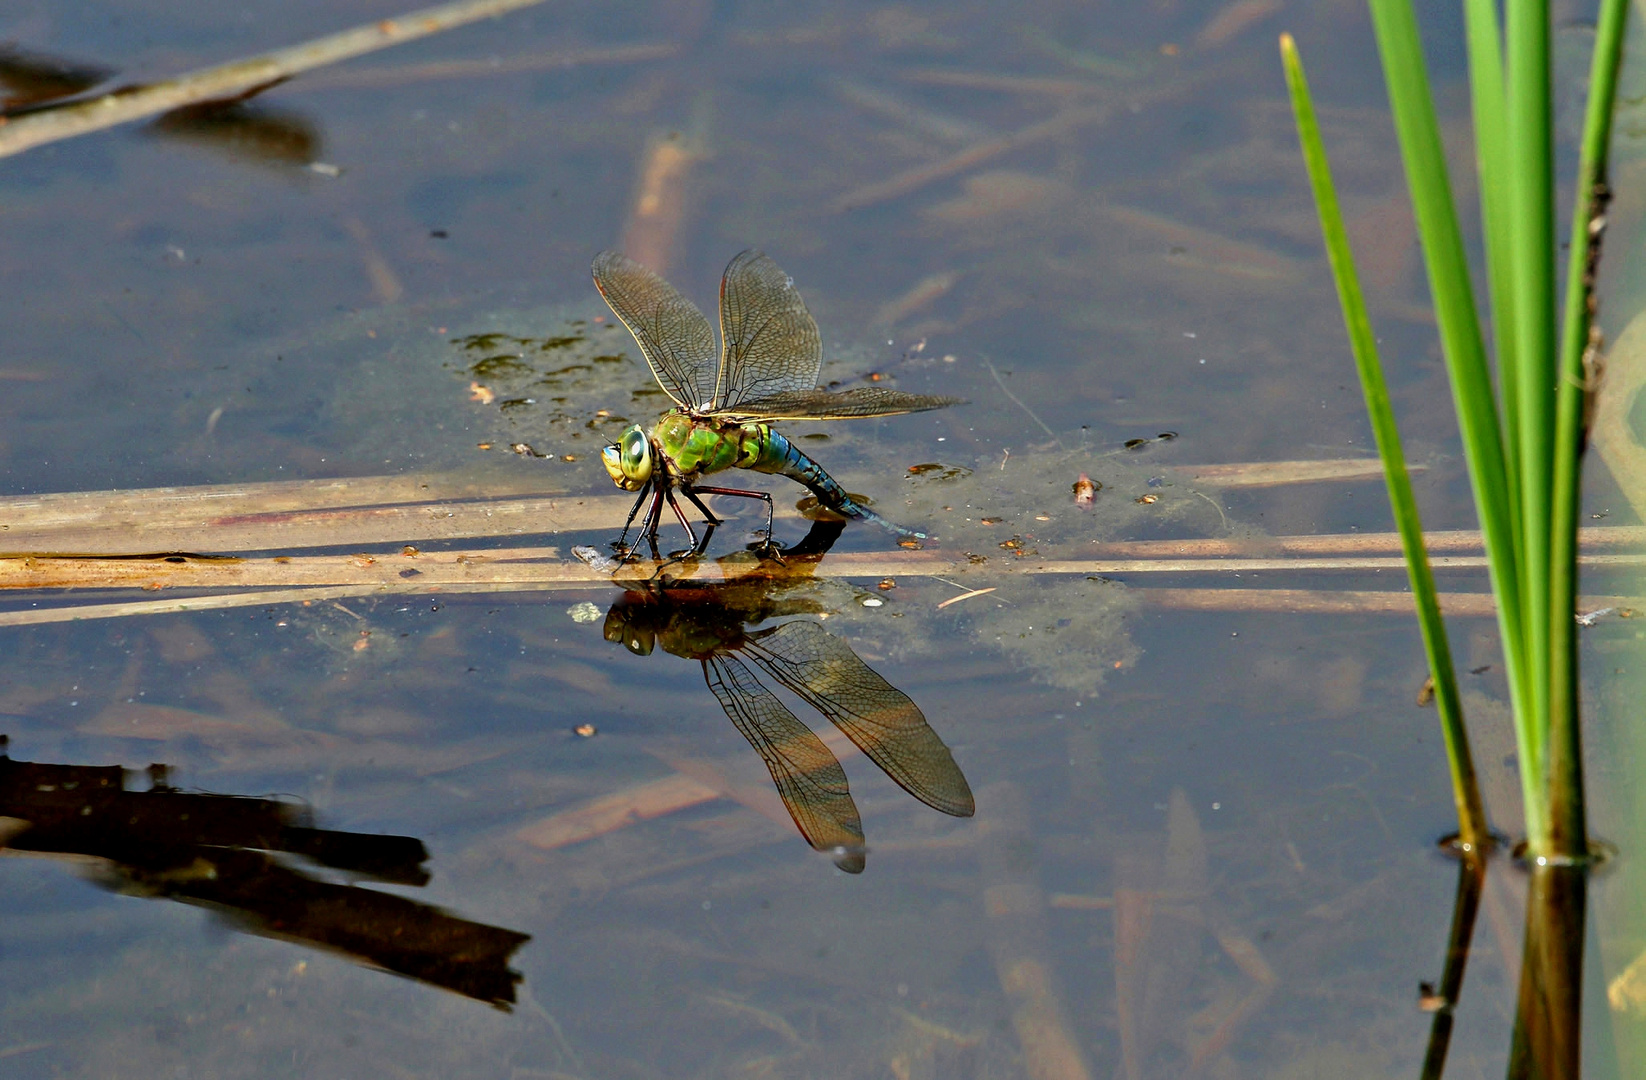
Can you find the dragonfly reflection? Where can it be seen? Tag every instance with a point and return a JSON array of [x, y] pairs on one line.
[[715, 625]]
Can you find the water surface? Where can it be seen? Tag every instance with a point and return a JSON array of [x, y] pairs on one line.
[[1203, 840]]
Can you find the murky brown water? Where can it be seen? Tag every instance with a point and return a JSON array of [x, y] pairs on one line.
[[1203, 839]]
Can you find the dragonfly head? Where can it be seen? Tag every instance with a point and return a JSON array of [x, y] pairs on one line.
[[629, 459]]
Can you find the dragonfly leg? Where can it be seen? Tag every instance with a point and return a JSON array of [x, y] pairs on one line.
[[649, 523], [692, 493], [708, 515], [682, 557], [623, 537], [680, 515]]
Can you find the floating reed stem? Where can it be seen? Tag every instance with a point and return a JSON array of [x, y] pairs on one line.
[[237, 78]]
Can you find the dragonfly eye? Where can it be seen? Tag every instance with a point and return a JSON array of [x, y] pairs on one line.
[[629, 459]]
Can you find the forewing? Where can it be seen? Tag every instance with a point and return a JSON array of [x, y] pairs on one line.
[[809, 778], [873, 713], [770, 341], [817, 404], [674, 335]]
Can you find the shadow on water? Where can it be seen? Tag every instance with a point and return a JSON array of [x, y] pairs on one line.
[[237, 127], [231, 854], [244, 130], [29, 78], [715, 625]]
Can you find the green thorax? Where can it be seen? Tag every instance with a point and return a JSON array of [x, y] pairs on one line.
[[696, 447]]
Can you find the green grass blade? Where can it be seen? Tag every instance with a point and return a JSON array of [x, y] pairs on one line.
[[1487, 99], [1471, 817], [1465, 354], [1565, 766], [1532, 253]]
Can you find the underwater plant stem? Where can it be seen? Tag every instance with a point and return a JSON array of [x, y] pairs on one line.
[[1471, 881], [1465, 790]]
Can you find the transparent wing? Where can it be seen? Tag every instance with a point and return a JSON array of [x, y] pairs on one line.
[[809, 778], [771, 345], [826, 405], [873, 713], [673, 334]]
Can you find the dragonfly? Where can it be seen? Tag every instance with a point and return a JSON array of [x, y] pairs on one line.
[[715, 625], [767, 371]]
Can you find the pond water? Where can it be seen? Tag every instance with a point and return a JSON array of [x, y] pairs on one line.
[[515, 833]]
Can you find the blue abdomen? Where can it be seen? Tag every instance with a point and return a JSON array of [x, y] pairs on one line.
[[782, 457]]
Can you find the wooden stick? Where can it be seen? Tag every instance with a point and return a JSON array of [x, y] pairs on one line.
[[536, 567], [292, 515], [1436, 543], [529, 566], [40, 616], [426, 570], [1319, 602], [1294, 601], [73, 509], [288, 515], [374, 511], [237, 78]]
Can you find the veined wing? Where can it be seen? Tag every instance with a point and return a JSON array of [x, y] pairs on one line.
[[873, 713], [809, 778], [673, 334], [770, 341], [816, 404]]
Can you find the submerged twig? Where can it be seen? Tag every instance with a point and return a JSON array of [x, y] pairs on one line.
[[658, 214], [1272, 473], [965, 596], [237, 78], [1198, 245], [1014, 84], [914, 179], [906, 114], [1017, 939], [492, 66]]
